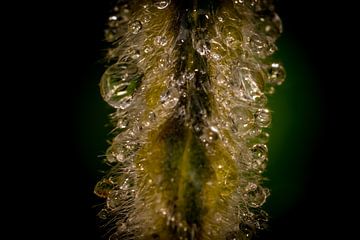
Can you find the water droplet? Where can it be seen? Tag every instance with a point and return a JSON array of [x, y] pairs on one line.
[[256, 195], [170, 98], [247, 231], [135, 27], [114, 200], [202, 48], [162, 4], [103, 188], [233, 37], [259, 151], [103, 214], [215, 56], [263, 117], [260, 46], [210, 134], [148, 49], [160, 41], [276, 74], [271, 25], [118, 83], [242, 118], [164, 61]]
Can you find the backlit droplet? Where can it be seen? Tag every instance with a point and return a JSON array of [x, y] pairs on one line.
[[263, 117], [256, 195], [114, 199], [103, 188], [103, 214], [160, 41], [118, 83], [170, 98], [135, 27], [276, 73], [259, 151], [162, 4], [233, 37], [242, 118]]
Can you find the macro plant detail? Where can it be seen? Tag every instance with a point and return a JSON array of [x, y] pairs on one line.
[[189, 81]]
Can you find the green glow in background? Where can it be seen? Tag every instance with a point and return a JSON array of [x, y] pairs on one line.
[[295, 121]]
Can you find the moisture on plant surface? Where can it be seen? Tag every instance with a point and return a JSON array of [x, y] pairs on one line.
[[189, 82]]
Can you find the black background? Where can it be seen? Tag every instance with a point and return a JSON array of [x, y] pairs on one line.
[[61, 45]]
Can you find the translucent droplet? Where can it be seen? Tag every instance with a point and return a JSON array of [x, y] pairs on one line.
[[118, 83], [263, 117], [103, 214], [246, 230], [260, 46], [103, 188], [233, 37], [202, 48], [242, 118], [135, 27], [272, 25], [170, 98], [210, 134], [114, 200], [276, 74], [259, 151], [160, 41], [256, 195], [164, 61], [161, 4]]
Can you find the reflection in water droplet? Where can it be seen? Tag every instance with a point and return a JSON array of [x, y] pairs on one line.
[[162, 4], [114, 200], [210, 134], [118, 83], [242, 118], [160, 41], [103, 214], [259, 151], [135, 27], [276, 73], [247, 231], [256, 195], [263, 117], [260, 46], [233, 37], [103, 188], [170, 98]]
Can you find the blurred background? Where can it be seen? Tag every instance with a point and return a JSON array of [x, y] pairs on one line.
[[306, 133]]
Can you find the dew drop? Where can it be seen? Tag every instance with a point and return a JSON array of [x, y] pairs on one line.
[[103, 214], [276, 74], [202, 48], [259, 151], [263, 117], [118, 84], [160, 41], [247, 231], [135, 27], [114, 200], [260, 46], [170, 98], [210, 134], [233, 37], [242, 118], [256, 195], [161, 4], [103, 188]]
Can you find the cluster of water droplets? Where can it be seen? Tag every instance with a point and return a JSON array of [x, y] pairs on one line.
[[141, 85]]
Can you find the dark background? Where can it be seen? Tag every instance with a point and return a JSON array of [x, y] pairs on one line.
[[61, 122]]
